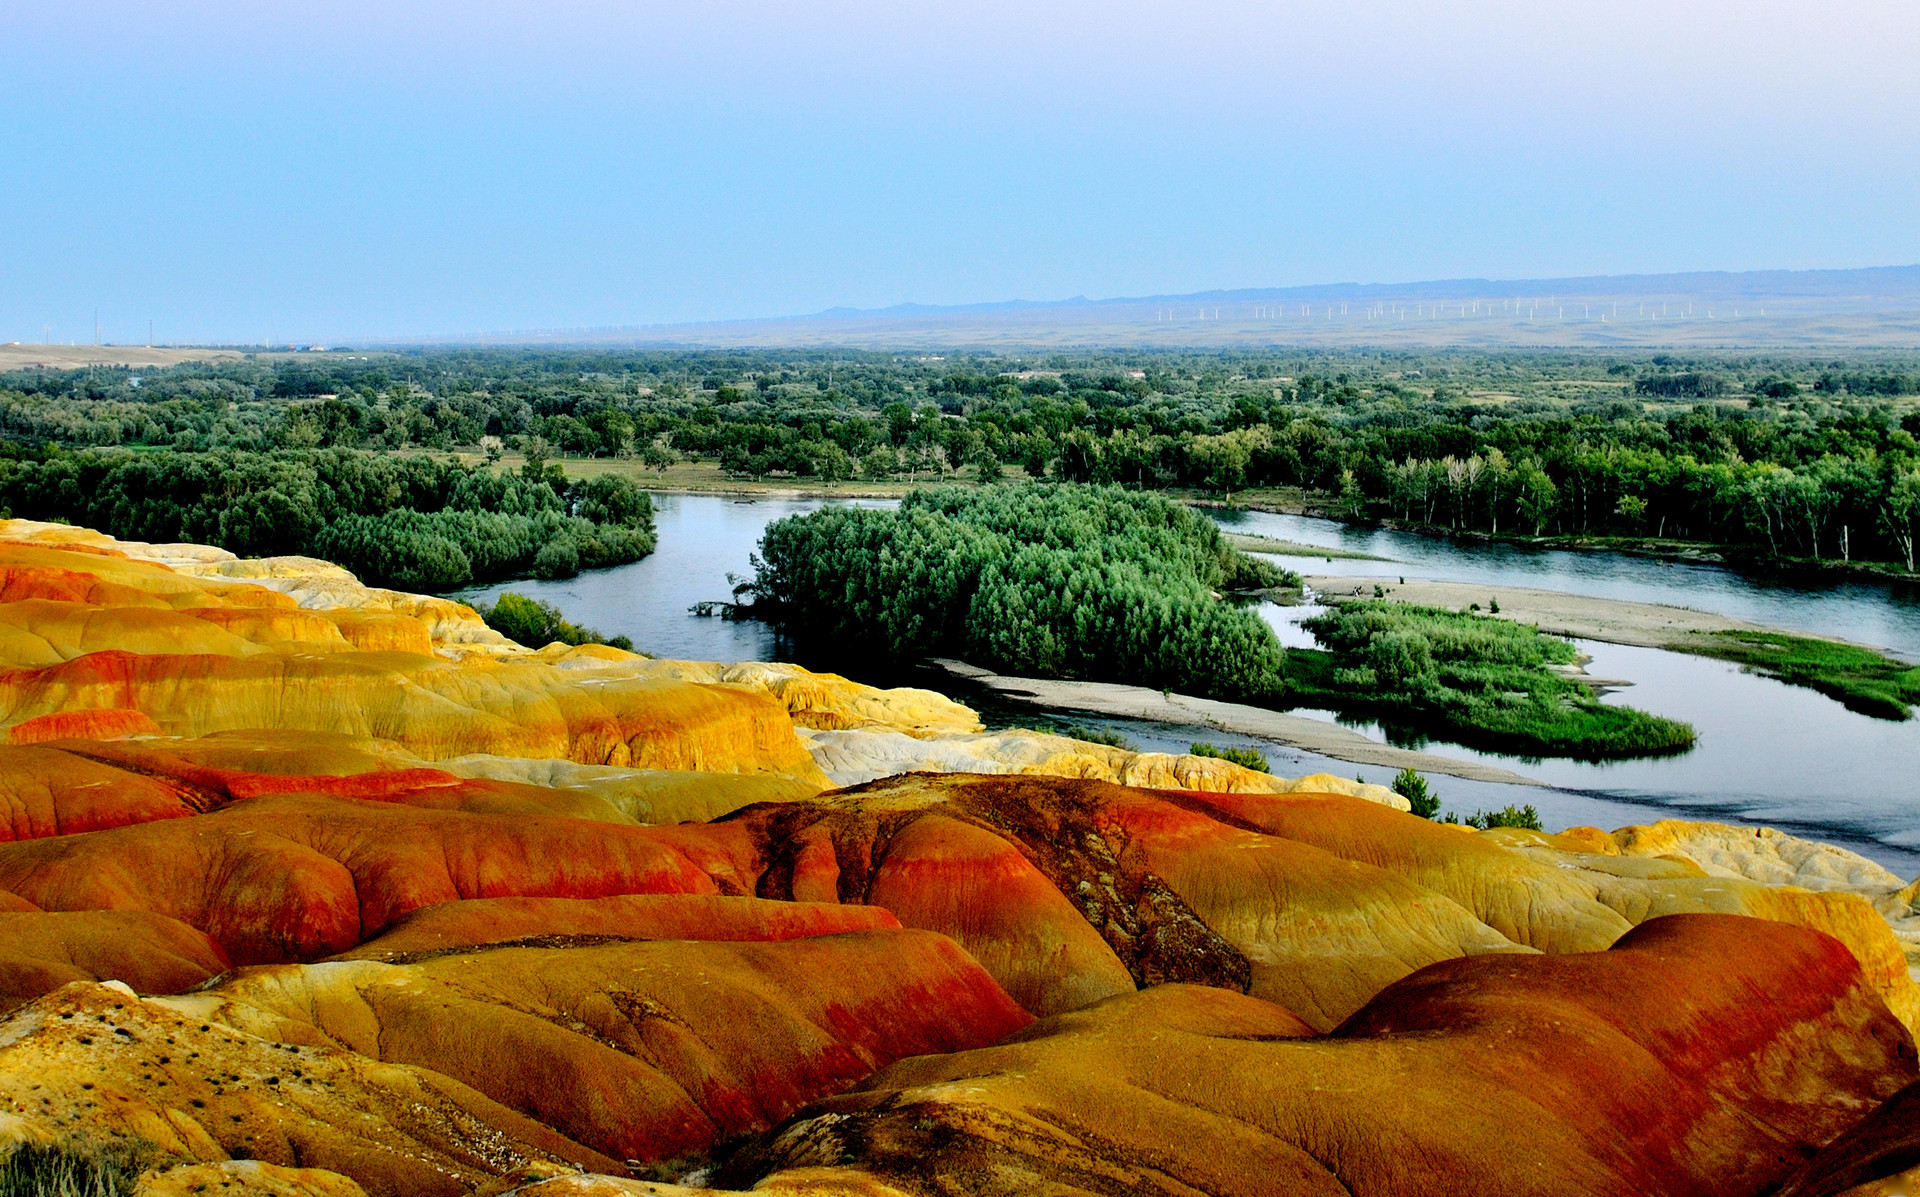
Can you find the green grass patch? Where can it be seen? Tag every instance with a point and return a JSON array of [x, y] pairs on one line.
[[1246, 758], [1486, 683], [1523, 817], [73, 1168], [1247, 542], [1863, 680]]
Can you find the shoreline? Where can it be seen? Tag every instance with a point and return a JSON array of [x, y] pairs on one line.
[[1559, 613], [1181, 710]]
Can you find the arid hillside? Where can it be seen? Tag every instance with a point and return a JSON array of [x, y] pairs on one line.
[[308, 888]]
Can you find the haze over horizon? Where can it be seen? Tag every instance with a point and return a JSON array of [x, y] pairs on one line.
[[423, 169]]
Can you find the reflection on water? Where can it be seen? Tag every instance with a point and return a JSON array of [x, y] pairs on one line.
[[1876, 613], [1767, 752], [703, 539]]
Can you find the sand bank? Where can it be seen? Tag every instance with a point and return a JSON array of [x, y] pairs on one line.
[[1296, 731], [1616, 621]]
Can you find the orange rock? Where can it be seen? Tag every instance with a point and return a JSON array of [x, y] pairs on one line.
[[95, 1061], [642, 1051], [1878, 1157], [1701, 1055], [298, 878], [978, 888], [47, 792], [1068, 891], [150, 952], [245, 1178], [482, 921], [106, 724], [431, 707], [1529, 903]]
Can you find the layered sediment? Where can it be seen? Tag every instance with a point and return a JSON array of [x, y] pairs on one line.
[[309, 888]]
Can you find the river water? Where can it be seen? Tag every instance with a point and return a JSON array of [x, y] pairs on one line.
[[1767, 752]]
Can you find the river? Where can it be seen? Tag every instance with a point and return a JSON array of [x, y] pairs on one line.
[[1767, 752]]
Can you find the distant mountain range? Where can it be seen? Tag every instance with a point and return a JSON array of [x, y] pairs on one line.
[[1879, 306]]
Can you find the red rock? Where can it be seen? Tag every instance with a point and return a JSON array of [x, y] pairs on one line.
[[108, 724], [298, 878], [152, 953], [482, 921], [1704, 1055]]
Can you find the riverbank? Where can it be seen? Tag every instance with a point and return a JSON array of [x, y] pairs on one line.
[[1182, 710], [1584, 617], [1861, 677], [1294, 548]]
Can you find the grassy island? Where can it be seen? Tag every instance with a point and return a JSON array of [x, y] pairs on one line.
[[1862, 679], [1483, 682], [1103, 584]]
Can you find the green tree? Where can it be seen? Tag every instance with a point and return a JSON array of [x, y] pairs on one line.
[[1410, 785]]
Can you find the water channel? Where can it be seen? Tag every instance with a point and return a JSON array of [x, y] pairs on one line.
[[1767, 752]]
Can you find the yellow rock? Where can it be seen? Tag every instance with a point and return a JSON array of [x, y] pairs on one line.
[[829, 702], [855, 756], [100, 1061], [659, 796], [245, 1178]]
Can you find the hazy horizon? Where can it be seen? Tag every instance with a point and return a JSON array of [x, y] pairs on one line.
[[356, 172]]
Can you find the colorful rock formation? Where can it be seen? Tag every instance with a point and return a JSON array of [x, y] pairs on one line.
[[313, 889], [1629, 1072]]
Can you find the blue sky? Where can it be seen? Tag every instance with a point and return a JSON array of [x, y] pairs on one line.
[[352, 170]]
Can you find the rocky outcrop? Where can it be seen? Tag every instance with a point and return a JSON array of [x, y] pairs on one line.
[[639, 1050], [569, 921], [94, 1060], [41, 951], [245, 1178], [1646, 1069]]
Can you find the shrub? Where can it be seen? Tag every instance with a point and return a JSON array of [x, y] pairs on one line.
[[1246, 758], [537, 624], [73, 1169], [556, 559], [1100, 735], [1410, 785], [407, 521], [1524, 817], [1482, 681], [1399, 659]]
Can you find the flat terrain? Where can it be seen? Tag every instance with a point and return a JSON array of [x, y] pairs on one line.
[[1294, 548], [1616, 621], [17, 356]]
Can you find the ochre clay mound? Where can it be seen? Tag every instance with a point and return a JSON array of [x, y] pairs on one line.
[[82, 725], [1069, 891], [640, 1050], [245, 1178], [483, 921], [298, 878], [431, 707], [1528, 903], [47, 792], [152, 953], [1702, 1055], [94, 1060]]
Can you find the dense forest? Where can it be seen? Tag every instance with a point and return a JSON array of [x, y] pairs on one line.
[[1106, 584], [1070, 581], [1769, 454], [405, 520]]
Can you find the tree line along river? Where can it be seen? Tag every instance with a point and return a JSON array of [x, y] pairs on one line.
[[1767, 752]]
